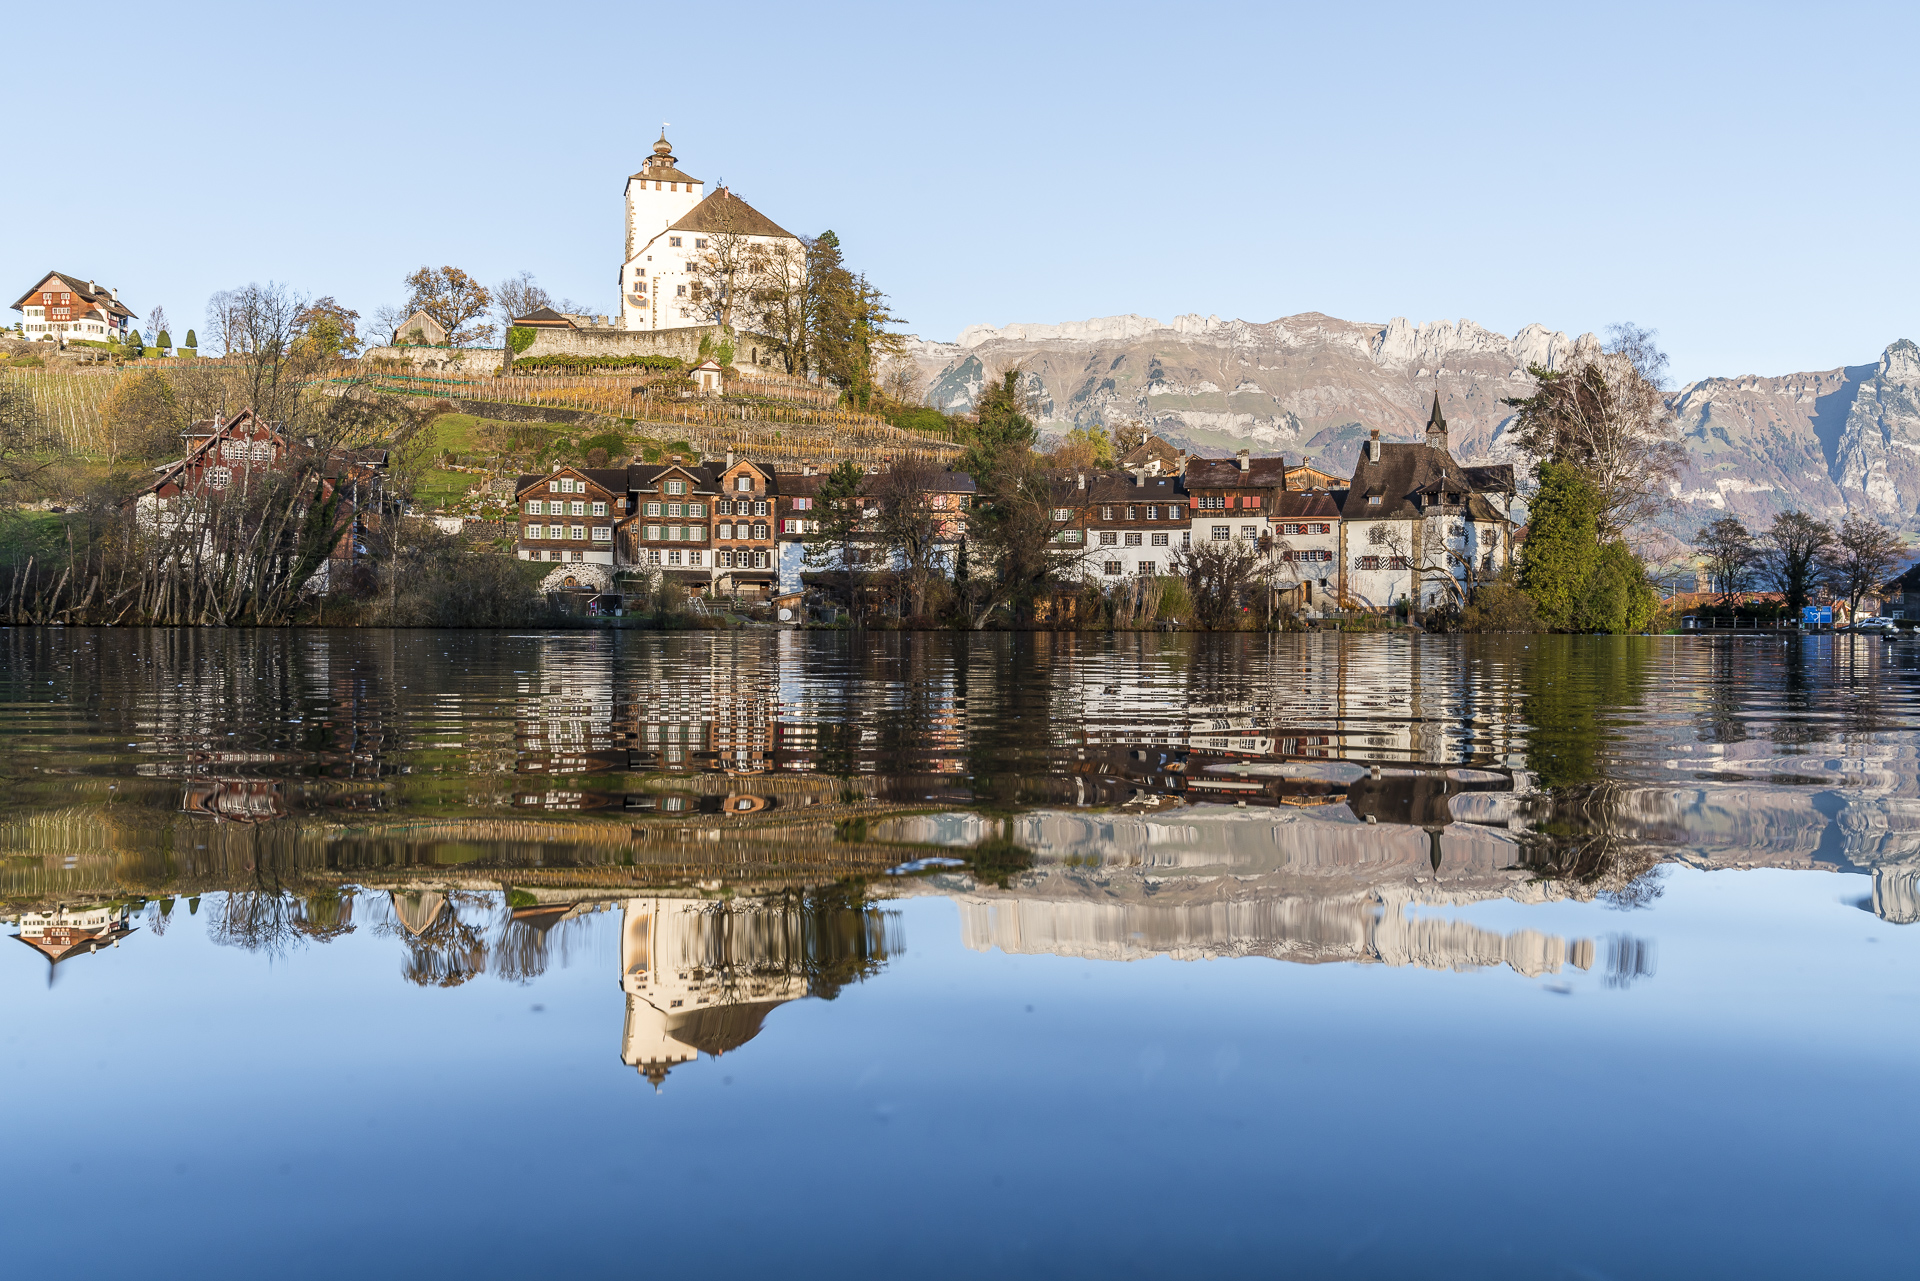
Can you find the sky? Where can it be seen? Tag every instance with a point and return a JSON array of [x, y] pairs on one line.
[[1741, 178]]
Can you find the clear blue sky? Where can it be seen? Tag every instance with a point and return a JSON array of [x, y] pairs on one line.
[[1741, 177]]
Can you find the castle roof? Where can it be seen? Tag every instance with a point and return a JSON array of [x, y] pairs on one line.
[[723, 212], [660, 166], [1407, 470]]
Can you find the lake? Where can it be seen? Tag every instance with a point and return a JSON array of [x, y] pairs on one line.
[[807, 954]]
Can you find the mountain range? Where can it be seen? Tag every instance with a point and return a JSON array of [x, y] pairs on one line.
[[1828, 442]]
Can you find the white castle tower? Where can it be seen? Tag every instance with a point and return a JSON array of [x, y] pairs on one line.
[[657, 197]]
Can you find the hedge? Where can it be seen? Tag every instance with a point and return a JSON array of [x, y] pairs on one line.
[[598, 362]]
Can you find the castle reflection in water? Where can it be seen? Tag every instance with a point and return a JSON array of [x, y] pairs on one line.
[[1307, 799]]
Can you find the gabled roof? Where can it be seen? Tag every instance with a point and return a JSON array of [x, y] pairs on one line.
[[1407, 470], [545, 317], [724, 212], [1117, 487], [83, 291], [613, 479], [795, 485], [1153, 449], [1225, 473]]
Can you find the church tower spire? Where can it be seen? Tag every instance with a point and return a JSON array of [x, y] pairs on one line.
[[1437, 425]]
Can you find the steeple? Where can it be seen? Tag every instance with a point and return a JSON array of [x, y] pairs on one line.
[[1437, 425]]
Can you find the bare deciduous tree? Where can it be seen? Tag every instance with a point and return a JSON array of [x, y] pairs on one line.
[[455, 300], [518, 296], [1795, 548], [1609, 417], [1730, 555], [908, 524], [1223, 578], [1864, 555], [727, 272]]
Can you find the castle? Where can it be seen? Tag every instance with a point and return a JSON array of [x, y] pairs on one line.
[[672, 226]]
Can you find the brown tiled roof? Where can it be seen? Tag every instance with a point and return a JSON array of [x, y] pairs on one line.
[[1225, 473], [1153, 447], [80, 288], [795, 485], [545, 317], [724, 212], [1297, 504], [1115, 487], [1406, 470], [664, 173]]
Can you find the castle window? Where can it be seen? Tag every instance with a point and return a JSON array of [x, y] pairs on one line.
[[1133, 540], [1108, 538], [699, 242], [743, 483], [673, 242], [676, 487], [1106, 513], [1112, 567], [680, 291], [1159, 540]]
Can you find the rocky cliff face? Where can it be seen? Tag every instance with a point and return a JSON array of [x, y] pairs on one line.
[[1313, 386], [1304, 385]]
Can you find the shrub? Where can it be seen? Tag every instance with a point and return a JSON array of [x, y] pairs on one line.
[[519, 338], [191, 340]]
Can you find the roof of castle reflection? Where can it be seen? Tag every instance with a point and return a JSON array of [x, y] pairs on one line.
[[716, 1029]]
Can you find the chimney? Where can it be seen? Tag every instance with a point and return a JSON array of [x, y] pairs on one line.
[[1373, 446], [729, 459], [1244, 458], [1138, 477], [806, 467], [1081, 477]]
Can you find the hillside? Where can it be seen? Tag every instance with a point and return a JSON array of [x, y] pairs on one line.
[[1313, 386]]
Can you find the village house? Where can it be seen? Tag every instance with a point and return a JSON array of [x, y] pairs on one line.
[[1233, 498], [230, 455], [1156, 457], [1135, 523], [64, 308], [949, 498], [570, 514], [1418, 528], [746, 556], [1306, 547]]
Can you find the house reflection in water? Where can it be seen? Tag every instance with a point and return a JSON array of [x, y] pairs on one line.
[[68, 932], [241, 800], [702, 976]]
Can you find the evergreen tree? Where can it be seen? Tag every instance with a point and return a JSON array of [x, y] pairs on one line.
[[1578, 583], [192, 342], [165, 342]]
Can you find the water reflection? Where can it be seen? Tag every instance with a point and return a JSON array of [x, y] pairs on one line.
[[1320, 797]]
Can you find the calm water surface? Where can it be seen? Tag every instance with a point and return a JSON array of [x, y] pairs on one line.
[[496, 954]]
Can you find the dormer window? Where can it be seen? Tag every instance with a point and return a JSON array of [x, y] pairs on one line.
[[1373, 500], [676, 487]]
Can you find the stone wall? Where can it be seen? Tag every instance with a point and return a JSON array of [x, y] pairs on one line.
[[684, 343], [450, 360]]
